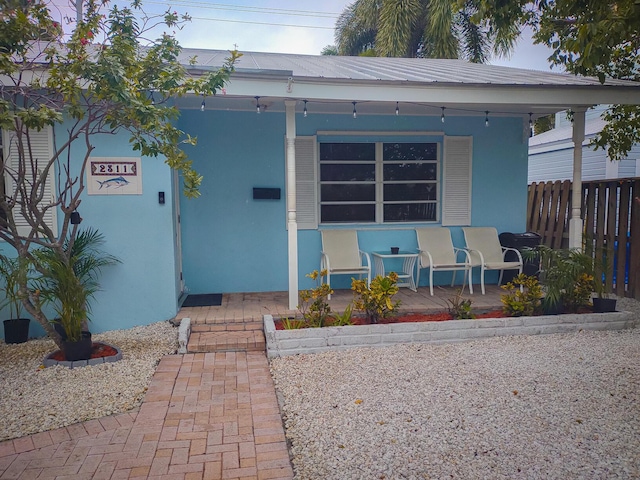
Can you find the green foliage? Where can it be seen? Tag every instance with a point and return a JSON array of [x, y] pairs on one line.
[[415, 28], [70, 280], [460, 308], [329, 50], [290, 323], [343, 319], [521, 302], [314, 304], [593, 38], [375, 300], [14, 272], [564, 275]]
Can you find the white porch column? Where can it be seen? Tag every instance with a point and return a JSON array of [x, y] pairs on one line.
[[575, 222], [292, 222]]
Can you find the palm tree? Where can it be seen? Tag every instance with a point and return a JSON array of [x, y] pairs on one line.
[[419, 28]]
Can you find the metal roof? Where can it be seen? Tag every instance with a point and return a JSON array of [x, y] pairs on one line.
[[372, 69]]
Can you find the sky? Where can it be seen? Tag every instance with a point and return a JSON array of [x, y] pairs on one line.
[[284, 26]]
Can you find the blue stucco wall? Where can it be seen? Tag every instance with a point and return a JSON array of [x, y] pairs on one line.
[[232, 243], [137, 230]]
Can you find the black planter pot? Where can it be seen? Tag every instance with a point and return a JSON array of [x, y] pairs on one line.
[[80, 350], [602, 305], [16, 330], [552, 309]]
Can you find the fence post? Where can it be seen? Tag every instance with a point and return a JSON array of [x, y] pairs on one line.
[[634, 261]]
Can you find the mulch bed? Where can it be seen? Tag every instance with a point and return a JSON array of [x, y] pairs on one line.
[[423, 317], [98, 350]]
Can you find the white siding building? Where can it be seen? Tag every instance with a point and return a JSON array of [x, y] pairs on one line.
[[551, 153]]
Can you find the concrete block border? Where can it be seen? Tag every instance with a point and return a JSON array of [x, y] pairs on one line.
[[49, 362], [314, 340]]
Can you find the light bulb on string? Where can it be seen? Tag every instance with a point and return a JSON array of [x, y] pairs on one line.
[[442, 115], [202, 105], [304, 110], [257, 104], [530, 124], [355, 114], [397, 109], [486, 118]]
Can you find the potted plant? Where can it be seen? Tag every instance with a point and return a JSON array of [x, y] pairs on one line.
[[566, 276], [69, 281], [602, 303], [12, 270]]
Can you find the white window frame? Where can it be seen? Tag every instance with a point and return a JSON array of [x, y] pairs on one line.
[[380, 183]]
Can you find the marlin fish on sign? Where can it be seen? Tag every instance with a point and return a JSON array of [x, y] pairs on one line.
[[113, 182]]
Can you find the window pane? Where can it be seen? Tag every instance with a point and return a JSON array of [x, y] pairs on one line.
[[410, 212], [410, 171], [409, 191], [347, 193], [410, 151], [348, 151], [347, 172], [347, 213]]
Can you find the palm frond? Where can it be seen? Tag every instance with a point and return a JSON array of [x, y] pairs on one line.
[[475, 44], [397, 21], [439, 34], [356, 27]]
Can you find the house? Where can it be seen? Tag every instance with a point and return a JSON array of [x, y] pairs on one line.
[[297, 144], [551, 153]]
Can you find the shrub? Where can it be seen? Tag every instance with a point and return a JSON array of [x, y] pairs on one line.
[[314, 305], [524, 296], [376, 299], [460, 308]]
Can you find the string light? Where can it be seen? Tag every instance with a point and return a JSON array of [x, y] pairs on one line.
[[151, 97], [443, 110], [530, 124], [202, 104]]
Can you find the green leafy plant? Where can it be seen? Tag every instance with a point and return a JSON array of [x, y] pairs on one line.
[[523, 297], [14, 272], [291, 323], [70, 279], [562, 277], [459, 307], [375, 300], [343, 319], [314, 305]]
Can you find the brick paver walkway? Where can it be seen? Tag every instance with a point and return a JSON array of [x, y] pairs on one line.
[[205, 416]]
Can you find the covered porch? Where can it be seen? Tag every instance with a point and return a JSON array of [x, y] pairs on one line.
[[250, 307]]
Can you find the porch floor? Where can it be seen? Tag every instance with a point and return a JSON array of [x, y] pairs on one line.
[[236, 325]]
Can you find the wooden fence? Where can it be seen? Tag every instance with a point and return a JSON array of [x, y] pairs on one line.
[[611, 214]]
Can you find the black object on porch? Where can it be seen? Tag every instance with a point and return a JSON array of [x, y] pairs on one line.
[[203, 300]]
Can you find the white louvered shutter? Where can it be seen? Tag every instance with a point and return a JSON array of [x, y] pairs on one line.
[[42, 148], [456, 184], [306, 183]]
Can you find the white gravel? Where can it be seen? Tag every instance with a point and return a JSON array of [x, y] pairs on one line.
[[550, 406], [36, 399]]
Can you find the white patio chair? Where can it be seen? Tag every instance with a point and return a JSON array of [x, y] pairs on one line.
[[437, 253], [486, 252], [341, 255]]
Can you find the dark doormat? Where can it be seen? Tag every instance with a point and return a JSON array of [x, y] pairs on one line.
[[203, 300]]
